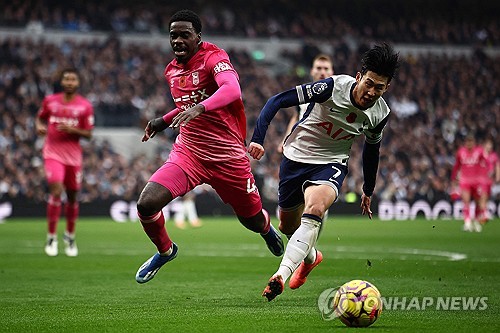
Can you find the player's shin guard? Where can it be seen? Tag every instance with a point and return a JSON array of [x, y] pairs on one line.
[[154, 226], [310, 257], [300, 244], [53, 213]]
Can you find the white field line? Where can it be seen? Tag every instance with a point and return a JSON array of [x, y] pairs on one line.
[[256, 250]]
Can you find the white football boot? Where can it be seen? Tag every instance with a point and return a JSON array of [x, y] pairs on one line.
[[51, 246], [70, 249]]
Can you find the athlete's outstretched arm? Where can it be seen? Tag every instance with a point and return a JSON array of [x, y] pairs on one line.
[[282, 100], [302, 94]]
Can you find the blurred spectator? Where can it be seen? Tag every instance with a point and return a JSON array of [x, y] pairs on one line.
[[421, 22], [446, 94]]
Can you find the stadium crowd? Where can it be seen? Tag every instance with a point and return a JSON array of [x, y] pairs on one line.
[[421, 21], [436, 99]]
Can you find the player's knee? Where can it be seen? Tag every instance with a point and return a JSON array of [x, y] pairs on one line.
[[147, 206], [56, 191], [144, 208], [316, 209]]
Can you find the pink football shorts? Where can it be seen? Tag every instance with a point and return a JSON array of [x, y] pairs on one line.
[[231, 179], [476, 189], [69, 175]]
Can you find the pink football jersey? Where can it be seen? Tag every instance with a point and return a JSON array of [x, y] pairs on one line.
[[214, 135], [61, 146], [491, 163], [469, 164]]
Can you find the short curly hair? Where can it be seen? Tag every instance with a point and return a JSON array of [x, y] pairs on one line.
[[187, 16]]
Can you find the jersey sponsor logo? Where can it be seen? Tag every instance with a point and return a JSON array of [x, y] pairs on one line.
[[63, 120], [187, 106], [221, 67], [319, 87], [196, 78], [330, 127], [195, 96]]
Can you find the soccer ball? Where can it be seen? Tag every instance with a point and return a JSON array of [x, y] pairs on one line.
[[357, 303]]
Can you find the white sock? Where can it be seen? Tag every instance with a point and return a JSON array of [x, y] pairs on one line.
[[311, 256], [299, 246]]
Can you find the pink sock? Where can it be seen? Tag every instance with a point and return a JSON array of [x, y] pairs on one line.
[[72, 210], [53, 213], [154, 226]]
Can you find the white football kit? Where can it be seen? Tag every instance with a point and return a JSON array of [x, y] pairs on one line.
[[326, 132]]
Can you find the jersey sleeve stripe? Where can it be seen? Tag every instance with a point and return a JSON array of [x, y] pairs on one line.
[[300, 94]]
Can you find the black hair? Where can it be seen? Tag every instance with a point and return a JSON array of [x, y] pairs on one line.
[[381, 59], [69, 70], [187, 16]]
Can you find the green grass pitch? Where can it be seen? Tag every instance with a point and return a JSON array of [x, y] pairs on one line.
[[215, 284]]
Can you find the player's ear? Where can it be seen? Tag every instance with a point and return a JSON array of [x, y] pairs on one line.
[[199, 37]]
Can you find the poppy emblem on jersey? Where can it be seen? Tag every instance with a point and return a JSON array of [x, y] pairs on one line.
[[182, 81], [196, 78], [319, 87], [351, 117]]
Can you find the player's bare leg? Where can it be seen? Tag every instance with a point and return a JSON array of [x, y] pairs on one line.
[[261, 223]]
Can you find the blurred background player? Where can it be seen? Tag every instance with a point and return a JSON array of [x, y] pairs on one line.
[[469, 161], [64, 118], [491, 176], [316, 154], [186, 210], [210, 148], [322, 67]]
